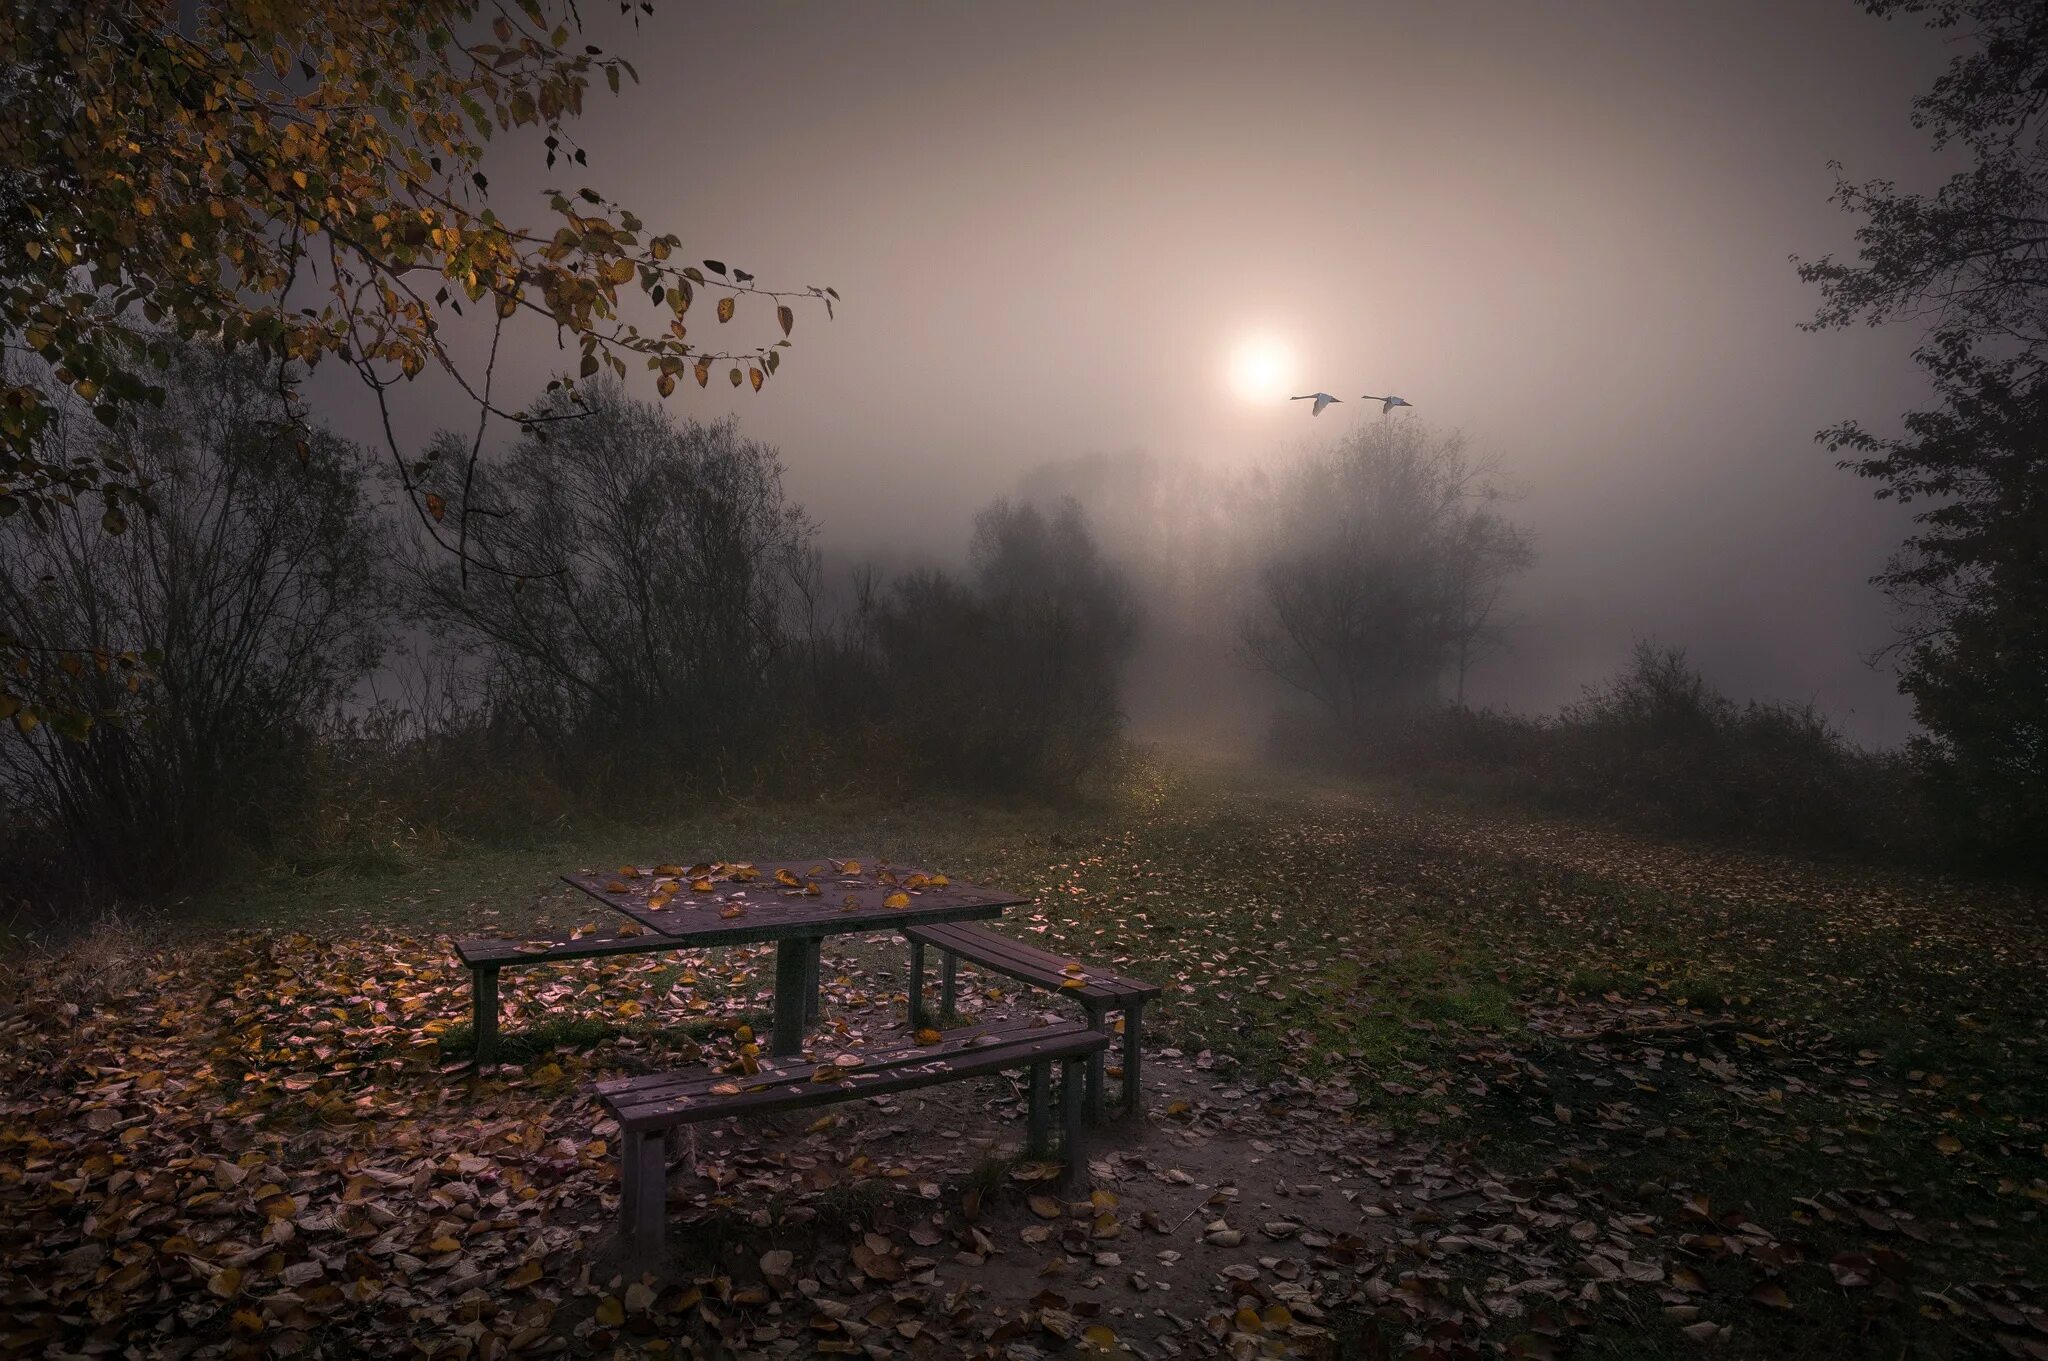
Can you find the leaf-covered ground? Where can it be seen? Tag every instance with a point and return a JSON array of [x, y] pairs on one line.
[[1429, 1081]]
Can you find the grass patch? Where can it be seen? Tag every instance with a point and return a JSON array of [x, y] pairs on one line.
[[1637, 1021]]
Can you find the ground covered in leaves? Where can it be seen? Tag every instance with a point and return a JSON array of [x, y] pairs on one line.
[[1425, 1082]]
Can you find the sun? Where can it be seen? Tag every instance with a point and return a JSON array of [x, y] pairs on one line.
[[1260, 368]]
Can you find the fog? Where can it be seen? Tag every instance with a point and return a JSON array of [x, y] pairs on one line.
[[1562, 230]]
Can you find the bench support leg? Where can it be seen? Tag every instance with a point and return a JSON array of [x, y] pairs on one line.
[[813, 966], [916, 988], [643, 1198], [949, 970], [1134, 1024], [1039, 1128], [1095, 1066], [1071, 1082], [792, 971], [483, 1019]]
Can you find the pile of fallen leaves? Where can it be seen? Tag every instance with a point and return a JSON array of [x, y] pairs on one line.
[[256, 1146], [1427, 1085]]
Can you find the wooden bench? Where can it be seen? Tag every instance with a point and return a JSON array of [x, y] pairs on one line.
[[1100, 993], [485, 957], [648, 1107]]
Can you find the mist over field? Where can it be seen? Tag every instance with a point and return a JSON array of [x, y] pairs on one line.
[[1568, 241], [1018, 679]]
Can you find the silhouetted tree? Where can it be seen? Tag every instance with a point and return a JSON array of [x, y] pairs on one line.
[[670, 554], [306, 180], [1382, 568], [1971, 261], [254, 588], [1011, 679]]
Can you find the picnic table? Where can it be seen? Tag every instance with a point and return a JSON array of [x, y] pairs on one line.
[[794, 903]]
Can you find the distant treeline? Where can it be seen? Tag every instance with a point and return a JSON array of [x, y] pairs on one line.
[[622, 611]]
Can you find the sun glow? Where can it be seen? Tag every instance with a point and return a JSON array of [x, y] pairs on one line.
[[1260, 368]]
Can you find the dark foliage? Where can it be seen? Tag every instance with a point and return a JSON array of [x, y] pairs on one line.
[[1972, 581], [1009, 680], [1658, 746], [1383, 561], [254, 578], [645, 606]]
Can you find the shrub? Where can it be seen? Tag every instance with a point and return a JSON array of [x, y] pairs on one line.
[[255, 578], [641, 602], [1658, 746], [1010, 681]]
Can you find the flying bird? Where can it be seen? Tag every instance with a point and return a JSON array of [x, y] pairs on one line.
[[1391, 402], [1321, 399]]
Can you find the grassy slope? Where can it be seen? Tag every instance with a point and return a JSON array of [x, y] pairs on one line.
[[1856, 1060]]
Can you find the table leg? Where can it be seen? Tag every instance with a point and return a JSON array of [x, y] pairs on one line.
[[643, 1202], [813, 966], [1133, 1054], [1040, 1127], [916, 988], [483, 1026], [1071, 1082], [949, 970], [792, 971]]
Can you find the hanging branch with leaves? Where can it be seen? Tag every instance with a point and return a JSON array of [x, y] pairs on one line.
[[305, 177]]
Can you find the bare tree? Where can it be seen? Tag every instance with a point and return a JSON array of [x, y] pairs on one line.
[[254, 587], [671, 565], [1381, 573], [1011, 679]]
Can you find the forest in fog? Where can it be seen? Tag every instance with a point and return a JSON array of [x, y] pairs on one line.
[[643, 614], [1002, 680]]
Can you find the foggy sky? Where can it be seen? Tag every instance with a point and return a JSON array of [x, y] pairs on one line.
[[1562, 229]]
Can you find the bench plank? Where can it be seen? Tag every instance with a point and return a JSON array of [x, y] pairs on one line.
[[649, 1105], [623, 1091], [1100, 992], [1004, 955], [505, 953], [764, 1092], [485, 956]]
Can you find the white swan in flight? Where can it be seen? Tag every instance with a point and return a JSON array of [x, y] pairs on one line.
[[1391, 402], [1321, 400]]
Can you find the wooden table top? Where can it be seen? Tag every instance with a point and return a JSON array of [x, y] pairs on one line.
[[731, 903]]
